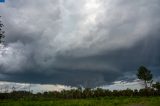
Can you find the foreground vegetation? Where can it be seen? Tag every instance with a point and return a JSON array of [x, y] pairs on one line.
[[86, 97], [105, 101], [83, 97], [81, 94]]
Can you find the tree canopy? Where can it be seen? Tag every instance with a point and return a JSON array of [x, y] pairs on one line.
[[157, 86], [145, 75]]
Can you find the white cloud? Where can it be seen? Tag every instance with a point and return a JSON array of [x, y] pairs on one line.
[[122, 85], [8, 86], [13, 57], [35, 88]]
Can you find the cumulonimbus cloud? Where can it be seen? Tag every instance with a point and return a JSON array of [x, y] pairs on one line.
[[78, 42]]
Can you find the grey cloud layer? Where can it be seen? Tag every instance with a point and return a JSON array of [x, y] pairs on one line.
[[87, 42]]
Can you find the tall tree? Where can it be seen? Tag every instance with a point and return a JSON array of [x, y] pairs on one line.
[[157, 86], [1, 32], [145, 75]]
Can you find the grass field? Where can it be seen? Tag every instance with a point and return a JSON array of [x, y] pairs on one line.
[[108, 101]]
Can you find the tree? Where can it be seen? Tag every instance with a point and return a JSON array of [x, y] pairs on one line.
[[157, 86], [145, 75], [1, 32]]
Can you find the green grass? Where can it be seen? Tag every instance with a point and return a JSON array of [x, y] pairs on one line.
[[107, 101]]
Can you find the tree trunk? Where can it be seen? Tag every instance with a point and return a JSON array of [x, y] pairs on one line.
[[145, 82]]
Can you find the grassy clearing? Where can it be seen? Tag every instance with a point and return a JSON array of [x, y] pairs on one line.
[[107, 101]]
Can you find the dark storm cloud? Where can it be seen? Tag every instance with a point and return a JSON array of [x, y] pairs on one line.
[[88, 43]]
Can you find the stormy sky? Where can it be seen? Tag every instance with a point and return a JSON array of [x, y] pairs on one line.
[[79, 43]]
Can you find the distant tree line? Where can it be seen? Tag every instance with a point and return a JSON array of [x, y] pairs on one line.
[[79, 94]]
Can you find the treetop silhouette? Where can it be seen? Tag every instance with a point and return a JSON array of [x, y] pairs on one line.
[[1, 32]]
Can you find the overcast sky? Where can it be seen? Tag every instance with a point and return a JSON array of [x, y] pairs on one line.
[[79, 43]]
